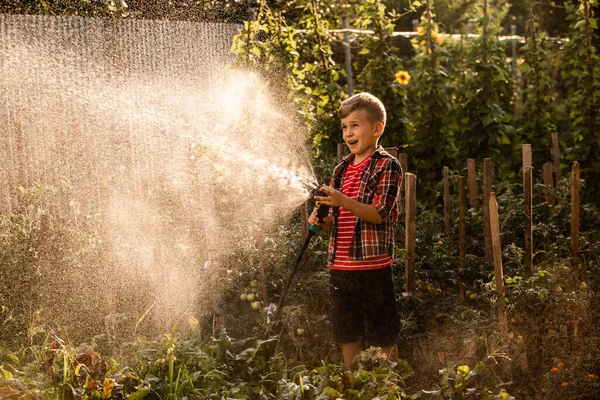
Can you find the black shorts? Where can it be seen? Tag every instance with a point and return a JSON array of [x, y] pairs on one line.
[[364, 306]]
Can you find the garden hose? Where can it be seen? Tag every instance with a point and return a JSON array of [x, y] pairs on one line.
[[322, 212]]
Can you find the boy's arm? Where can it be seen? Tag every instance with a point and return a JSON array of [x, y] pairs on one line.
[[388, 188], [385, 197]]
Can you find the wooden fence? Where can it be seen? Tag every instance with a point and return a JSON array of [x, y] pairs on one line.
[[491, 234]]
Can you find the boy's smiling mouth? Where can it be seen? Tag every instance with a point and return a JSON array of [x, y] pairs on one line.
[[352, 142]]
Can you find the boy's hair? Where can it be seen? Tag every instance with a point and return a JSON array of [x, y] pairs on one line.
[[364, 101]]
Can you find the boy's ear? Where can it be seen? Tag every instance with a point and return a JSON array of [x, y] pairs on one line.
[[379, 129]]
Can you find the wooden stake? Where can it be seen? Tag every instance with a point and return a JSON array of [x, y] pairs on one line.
[[462, 235], [549, 182], [472, 180], [403, 158], [488, 181], [575, 183], [526, 148], [446, 201], [342, 150], [411, 210], [392, 150], [556, 153], [528, 206], [498, 272]]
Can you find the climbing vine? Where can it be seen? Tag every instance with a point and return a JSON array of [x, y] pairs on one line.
[[582, 72], [486, 99], [535, 119], [433, 128], [383, 62]]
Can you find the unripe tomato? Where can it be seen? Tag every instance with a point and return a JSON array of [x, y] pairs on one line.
[[251, 297], [244, 297], [255, 305], [518, 340], [300, 332], [583, 286]]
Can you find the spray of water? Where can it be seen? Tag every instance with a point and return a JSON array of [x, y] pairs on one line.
[[180, 163]]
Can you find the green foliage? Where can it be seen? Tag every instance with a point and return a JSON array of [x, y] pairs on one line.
[[432, 132], [377, 76], [582, 72], [38, 251], [221, 367], [535, 119], [233, 11], [270, 45], [91, 8], [457, 383], [486, 106]]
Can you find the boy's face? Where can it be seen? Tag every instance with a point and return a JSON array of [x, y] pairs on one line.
[[360, 134]]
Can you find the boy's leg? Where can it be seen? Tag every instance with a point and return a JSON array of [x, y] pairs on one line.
[[346, 317], [351, 350], [381, 314]]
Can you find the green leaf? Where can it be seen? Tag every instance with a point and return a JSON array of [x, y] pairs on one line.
[[503, 140], [487, 119], [364, 50], [7, 374], [463, 369], [138, 395]]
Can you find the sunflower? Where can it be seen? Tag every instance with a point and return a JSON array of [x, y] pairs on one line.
[[402, 77]]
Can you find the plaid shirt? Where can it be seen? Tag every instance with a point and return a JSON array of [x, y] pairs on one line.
[[379, 186]]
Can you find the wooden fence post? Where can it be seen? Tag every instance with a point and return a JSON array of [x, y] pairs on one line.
[[342, 150], [488, 180], [392, 150], [498, 272], [527, 162], [556, 153], [575, 183], [549, 182], [411, 210], [528, 207], [462, 235], [403, 158], [472, 181], [446, 201]]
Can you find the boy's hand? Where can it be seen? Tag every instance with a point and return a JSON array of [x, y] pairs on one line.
[[334, 198], [314, 220]]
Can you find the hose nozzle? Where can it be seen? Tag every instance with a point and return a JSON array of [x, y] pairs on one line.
[[322, 210]]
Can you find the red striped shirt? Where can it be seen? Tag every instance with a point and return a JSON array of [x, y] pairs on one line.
[[346, 222]]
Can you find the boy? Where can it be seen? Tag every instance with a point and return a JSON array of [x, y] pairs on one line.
[[363, 195]]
